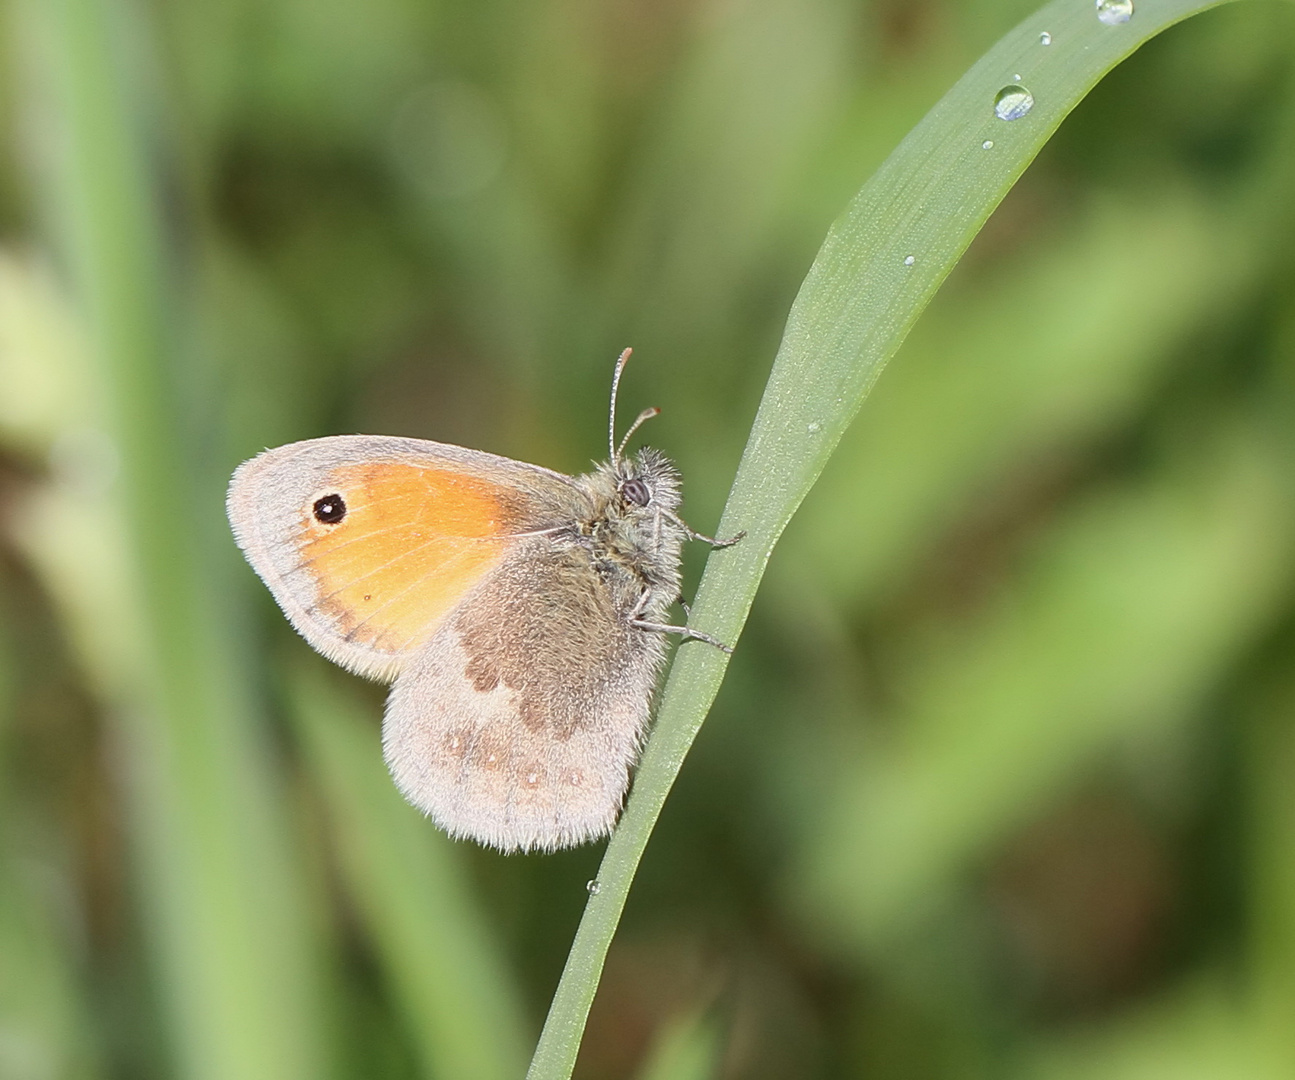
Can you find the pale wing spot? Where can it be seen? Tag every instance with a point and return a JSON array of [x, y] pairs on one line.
[[491, 750], [456, 743]]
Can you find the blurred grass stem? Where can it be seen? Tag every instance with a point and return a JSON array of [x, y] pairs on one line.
[[225, 913]]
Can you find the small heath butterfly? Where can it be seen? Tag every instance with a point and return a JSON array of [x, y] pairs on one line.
[[518, 612]]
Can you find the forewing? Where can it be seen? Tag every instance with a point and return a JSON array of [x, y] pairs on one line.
[[518, 722], [421, 525]]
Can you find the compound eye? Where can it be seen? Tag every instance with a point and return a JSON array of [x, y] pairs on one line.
[[636, 492]]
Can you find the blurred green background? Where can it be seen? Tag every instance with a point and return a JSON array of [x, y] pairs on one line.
[[1002, 780]]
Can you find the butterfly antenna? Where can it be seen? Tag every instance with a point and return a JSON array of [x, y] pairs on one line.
[[611, 423], [646, 414]]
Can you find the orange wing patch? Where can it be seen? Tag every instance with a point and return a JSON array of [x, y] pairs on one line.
[[406, 544]]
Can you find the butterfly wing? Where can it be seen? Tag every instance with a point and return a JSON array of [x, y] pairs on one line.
[[369, 542], [518, 721]]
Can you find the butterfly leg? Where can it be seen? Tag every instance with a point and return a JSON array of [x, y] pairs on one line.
[[686, 632], [668, 628], [693, 534]]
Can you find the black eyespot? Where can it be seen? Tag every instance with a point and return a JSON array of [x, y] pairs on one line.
[[636, 492], [330, 509]]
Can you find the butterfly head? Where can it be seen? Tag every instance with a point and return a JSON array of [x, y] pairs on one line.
[[647, 483]]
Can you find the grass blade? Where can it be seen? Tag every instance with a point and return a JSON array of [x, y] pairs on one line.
[[881, 263], [216, 870]]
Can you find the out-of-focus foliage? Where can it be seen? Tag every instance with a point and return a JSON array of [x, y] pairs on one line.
[[1000, 781]]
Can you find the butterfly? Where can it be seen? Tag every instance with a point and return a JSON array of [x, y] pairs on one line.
[[519, 613]]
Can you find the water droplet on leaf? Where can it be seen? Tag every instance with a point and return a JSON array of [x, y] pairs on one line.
[[1114, 12], [1013, 102]]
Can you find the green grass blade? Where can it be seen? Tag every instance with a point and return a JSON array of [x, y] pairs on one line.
[[217, 874], [861, 297]]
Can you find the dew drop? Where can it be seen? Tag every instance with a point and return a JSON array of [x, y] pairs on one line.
[[1114, 12], [1016, 77], [1045, 38], [988, 144], [814, 427], [593, 887], [1013, 102], [909, 260]]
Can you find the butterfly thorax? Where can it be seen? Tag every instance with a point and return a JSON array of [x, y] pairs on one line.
[[632, 530]]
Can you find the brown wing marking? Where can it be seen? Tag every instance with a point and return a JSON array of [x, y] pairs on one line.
[[518, 722]]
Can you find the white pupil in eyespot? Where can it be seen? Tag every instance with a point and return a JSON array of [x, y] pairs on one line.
[[329, 510]]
